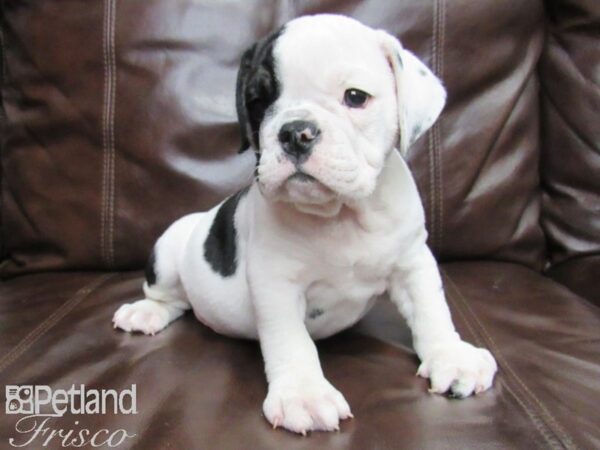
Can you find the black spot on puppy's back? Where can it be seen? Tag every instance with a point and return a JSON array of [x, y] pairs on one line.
[[220, 245]]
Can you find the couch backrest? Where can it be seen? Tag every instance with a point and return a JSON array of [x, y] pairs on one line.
[[120, 118]]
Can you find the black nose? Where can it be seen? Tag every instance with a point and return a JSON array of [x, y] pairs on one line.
[[298, 138]]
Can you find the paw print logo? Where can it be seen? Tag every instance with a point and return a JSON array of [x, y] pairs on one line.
[[13, 407], [19, 399]]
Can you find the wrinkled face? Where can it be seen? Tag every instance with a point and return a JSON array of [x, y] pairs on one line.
[[317, 101]]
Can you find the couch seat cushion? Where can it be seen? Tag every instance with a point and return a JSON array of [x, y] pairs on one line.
[[196, 389]]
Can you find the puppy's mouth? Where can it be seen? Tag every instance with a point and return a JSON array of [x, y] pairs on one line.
[[301, 187], [302, 177]]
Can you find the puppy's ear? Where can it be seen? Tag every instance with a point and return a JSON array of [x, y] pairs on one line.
[[257, 88], [240, 97], [420, 95]]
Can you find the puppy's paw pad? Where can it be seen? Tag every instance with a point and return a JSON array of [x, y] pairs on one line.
[[146, 316], [459, 368], [303, 406]]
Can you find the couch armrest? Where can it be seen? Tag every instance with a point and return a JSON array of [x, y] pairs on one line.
[[570, 158]]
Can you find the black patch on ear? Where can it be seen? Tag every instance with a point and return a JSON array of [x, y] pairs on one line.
[[256, 89], [150, 272], [220, 244], [240, 106]]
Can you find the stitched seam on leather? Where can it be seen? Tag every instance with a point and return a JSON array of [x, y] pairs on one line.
[[3, 126], [487, 337], [546, 434], [107, 219], [431, 138], [52, 320], [431, 208], [112, 134], [437, 126], [103, 251], [435, 163], [537, 421], [548, 419]]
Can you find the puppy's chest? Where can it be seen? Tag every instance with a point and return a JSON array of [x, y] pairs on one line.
[[342, 296], [355, 256], [348, 285], [353, 270]]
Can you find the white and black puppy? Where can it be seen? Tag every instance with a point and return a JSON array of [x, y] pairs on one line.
[[331, 221]]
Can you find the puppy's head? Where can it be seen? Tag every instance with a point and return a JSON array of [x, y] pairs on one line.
[[323, 101]]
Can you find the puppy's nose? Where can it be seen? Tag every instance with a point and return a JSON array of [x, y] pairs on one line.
[[297, 138]]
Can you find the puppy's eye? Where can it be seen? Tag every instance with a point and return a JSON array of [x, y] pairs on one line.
[[355, 98]]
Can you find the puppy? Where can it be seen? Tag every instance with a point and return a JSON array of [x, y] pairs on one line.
[[331, 221]]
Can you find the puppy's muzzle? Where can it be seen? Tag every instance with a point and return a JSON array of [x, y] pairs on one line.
[[297, 139]]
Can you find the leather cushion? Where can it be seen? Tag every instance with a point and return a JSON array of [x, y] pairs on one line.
[[197, 389], [120, 118]]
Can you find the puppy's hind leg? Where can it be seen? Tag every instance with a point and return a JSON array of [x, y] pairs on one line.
[[164, 301]]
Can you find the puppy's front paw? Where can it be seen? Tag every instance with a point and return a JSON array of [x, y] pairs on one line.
[[305, 404], [146, 316], [459, 367]]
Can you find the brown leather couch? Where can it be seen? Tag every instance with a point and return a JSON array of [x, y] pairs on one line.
[[118, 117]]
